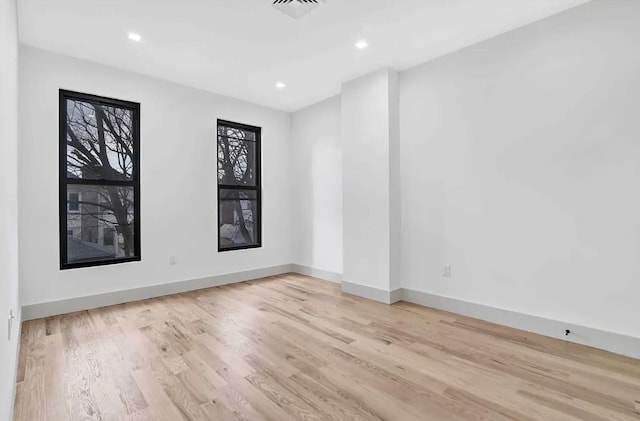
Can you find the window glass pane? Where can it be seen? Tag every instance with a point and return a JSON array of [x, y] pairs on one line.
[[100, 141], [236, 162], [103, 226], [238, 225], [236, 133]]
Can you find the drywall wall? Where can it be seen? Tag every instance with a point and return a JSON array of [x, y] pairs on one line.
[[178, 180], [517, 165], [317, 186], [520, 168], [8, 203], [368, 133]]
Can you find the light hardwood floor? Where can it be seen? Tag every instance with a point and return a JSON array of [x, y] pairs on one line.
[[295, 348]]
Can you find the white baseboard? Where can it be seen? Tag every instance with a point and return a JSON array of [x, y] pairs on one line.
[[53, 308], [375, 294], [14, 377], [317, 273], [609, 341]]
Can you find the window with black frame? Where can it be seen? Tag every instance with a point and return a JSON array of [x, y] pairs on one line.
[[99, 180], [239, 191]]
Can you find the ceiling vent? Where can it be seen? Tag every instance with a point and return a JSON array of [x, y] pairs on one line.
[[296, 8]]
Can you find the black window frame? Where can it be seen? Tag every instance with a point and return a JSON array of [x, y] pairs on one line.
[[65, 181], [257, 188]]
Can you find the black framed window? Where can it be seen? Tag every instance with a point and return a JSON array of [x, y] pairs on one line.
[[99, 180], [239, 190]]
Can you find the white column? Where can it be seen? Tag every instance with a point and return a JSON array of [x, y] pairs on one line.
[[371, 183]]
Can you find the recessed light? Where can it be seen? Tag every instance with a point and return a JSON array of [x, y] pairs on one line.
[[362, 44], [135, 37], [280, 85]]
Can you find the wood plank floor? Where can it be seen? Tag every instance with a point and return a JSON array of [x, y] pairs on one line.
[[294, 348]]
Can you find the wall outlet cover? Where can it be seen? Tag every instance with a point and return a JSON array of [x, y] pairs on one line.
[[446, 272]]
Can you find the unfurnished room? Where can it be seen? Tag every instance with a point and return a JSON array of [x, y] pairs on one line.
[[281, 210]]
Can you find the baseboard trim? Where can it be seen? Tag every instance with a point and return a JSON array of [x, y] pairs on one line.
[[395, 295], [375, 294], [609, 341], [53, 308], [317, 273], [18, 320]]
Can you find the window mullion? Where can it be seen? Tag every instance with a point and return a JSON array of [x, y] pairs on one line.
[[85, 182]]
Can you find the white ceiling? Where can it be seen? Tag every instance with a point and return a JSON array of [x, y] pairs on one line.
[[241, 48]]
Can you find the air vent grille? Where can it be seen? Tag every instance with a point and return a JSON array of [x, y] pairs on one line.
[[296, 8]]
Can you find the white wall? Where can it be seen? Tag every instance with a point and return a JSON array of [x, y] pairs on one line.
[[519, 162], [178, 180], [8, 201], [395, 191], [521, 168], [366, 142], [317, 186]]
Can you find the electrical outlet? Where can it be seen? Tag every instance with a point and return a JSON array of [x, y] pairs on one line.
[[10, 324], [172, 260], [446, 272]]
